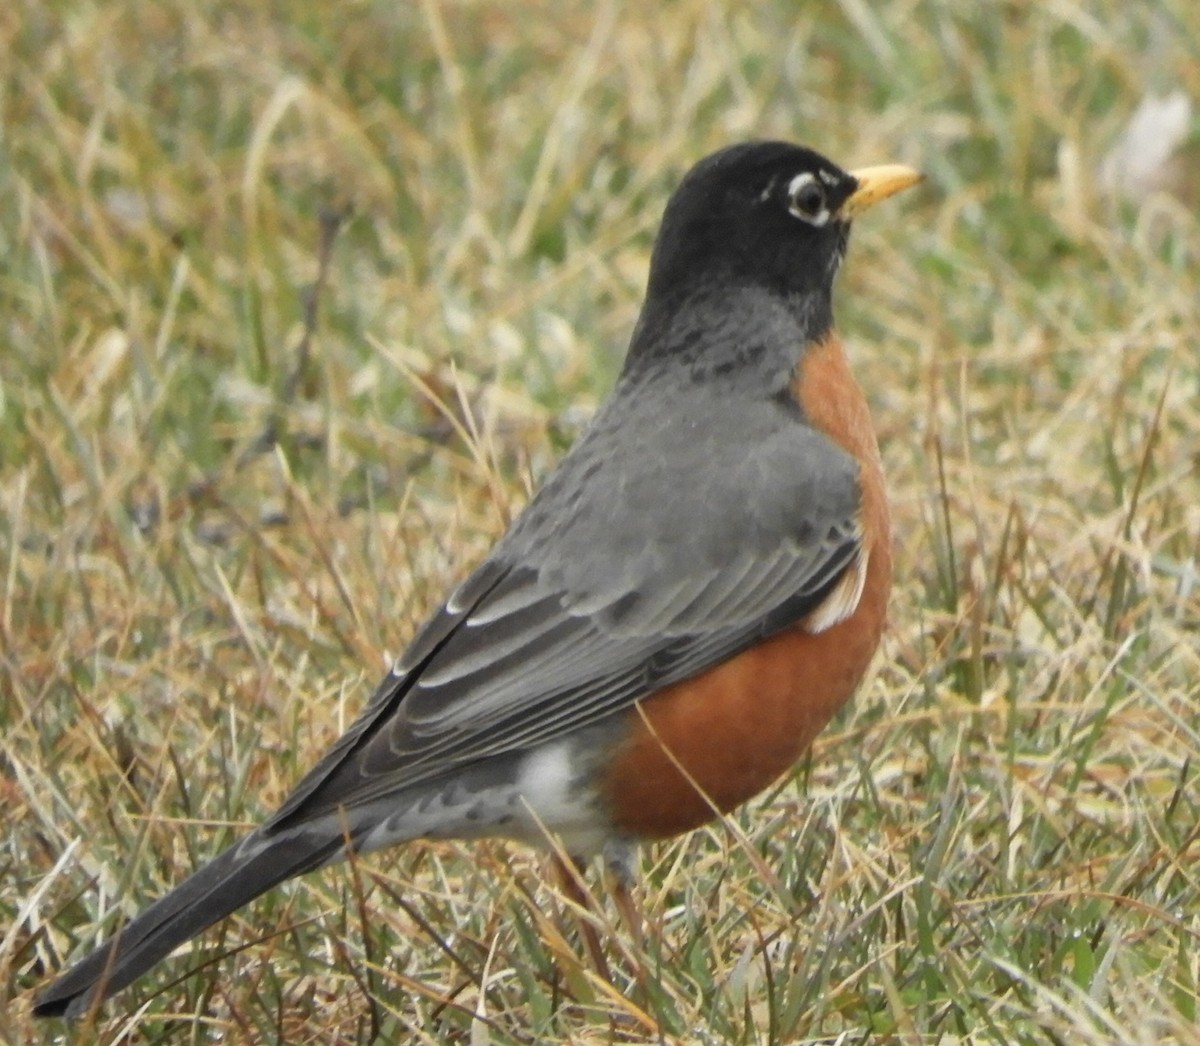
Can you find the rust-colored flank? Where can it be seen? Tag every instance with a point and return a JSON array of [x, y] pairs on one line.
[[737, 727]]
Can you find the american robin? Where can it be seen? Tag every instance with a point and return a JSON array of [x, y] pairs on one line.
[[691, 595]]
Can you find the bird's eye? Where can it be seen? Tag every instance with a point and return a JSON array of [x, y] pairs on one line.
[[806, 199]]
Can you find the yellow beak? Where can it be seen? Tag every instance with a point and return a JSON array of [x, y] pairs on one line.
[[878, 183]]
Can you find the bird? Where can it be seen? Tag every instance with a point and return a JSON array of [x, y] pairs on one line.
[[691, 595]]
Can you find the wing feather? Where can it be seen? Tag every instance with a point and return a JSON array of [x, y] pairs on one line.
[[574, 619]]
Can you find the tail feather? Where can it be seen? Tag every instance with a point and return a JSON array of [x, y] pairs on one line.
[[233, 878]]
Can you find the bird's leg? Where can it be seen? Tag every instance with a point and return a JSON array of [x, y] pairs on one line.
[[570, 873], [631, 914], [619, 866]]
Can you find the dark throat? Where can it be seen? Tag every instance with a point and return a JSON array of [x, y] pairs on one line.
[[720, 329]]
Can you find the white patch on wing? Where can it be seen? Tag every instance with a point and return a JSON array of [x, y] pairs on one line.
[[509, 603], [843, 600], [453, 605]]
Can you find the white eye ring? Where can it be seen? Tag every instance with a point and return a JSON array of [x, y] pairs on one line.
[[806, 199]]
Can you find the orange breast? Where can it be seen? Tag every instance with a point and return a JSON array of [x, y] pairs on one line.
[[725, 735]]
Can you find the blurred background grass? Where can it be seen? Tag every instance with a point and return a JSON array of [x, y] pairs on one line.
[[997, 843]]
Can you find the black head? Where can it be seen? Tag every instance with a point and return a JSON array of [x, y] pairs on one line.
[[763, 214]]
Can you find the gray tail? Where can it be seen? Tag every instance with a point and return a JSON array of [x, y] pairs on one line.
[[233, 878]]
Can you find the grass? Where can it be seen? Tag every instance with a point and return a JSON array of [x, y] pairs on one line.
[[997, 843]]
